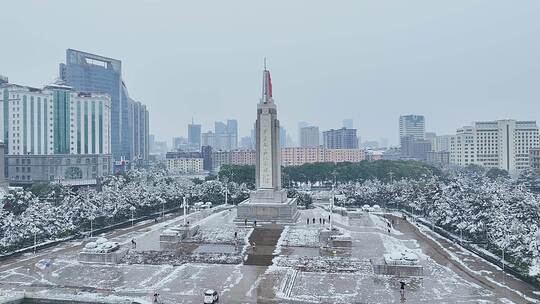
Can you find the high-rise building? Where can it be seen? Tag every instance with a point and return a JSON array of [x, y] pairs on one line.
[[206, 154], [246, 143], [224, 137], [432, 138], [413, 125], [220, 127], [415, 148], [139, 126], [442, 143], [340, 139], [3, 184], [55, 133], [348, 123], [93, 73], [301, 124], [55, 120], [309, 136], [194, 136], [282, 137], [502, 144], [232, 129]]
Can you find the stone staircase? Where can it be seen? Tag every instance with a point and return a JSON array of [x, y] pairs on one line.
[[265, 239]]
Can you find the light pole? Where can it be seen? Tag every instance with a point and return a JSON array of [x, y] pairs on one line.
[[185, 208], [162, 208], [132, 208], [91, 225], [538, 246], [35, 239], [226, 192], [332, 206]]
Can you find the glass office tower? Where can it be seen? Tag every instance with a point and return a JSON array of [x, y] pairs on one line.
[[93, 73]]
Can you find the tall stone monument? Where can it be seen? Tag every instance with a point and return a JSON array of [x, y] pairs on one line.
[[269, 203]]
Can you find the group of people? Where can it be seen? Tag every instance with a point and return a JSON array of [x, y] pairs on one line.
[[322, 220]]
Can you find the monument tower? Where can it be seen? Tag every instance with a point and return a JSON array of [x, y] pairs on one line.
[[268, 203]]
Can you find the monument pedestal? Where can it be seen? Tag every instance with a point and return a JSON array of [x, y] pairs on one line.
[[268, 206]]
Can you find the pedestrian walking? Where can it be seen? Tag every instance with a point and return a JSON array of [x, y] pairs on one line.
[[402, 288], [324, 221], [329, 217], [245, 222], [313, 220], [133, 244], [308, 221], [388, 231], [254, 246], [235, 234], [320, 221], [156, 295], [255, 223]]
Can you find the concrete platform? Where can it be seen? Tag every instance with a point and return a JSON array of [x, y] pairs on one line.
[[285, 213]]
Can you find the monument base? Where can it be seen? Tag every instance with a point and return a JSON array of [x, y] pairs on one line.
[[252, 209]]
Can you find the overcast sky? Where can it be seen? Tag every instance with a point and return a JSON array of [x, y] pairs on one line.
[[453, 61]]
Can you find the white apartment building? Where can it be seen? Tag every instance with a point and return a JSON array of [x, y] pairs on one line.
[[502, 144], [185, 165], [55, 120]]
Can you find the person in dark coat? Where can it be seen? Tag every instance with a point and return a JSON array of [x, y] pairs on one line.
[[313, 220], [402, 288]]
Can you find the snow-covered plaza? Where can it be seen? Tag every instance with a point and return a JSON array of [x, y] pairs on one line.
[[302, 272]]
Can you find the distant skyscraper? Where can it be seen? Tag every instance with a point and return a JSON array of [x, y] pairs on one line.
[[413, 125], [246, 143], [309, 136], [93, 73], [340, 139], [220, 127], [175, 142], [348, 123], [442, 143], [432, 138], [301, 124], [232, 129], [282, 137], [194, 136]]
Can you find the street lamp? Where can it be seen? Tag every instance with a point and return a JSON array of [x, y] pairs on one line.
[[132, 208], [35, 231], [162, 208], [185, 209], [91, 224]]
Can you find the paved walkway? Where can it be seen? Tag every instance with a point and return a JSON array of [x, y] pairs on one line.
[[468, 265]]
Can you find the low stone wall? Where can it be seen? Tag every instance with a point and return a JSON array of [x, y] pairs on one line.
[[103, 258], [169, 239], [398, 270]]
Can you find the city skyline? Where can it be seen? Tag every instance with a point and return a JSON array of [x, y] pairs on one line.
[[452, 69]]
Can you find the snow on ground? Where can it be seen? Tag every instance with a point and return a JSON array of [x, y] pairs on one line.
[[301, 237], [219, 228], [383, 224]]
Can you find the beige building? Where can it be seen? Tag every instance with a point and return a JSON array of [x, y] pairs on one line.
[[290, 156], [185, 165]]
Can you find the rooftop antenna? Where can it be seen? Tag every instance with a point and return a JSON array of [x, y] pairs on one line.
[[265, 63]]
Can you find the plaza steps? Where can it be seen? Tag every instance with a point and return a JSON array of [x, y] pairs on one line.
[[265, 239]]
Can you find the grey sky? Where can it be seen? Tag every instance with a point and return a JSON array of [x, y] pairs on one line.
[[452, 61]]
